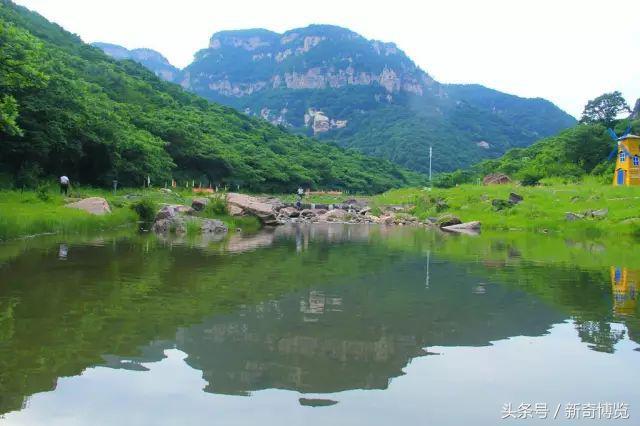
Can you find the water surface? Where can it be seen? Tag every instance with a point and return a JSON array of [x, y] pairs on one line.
[[334, 324]]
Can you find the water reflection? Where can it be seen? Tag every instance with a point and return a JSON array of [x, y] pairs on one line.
[[312, 309]]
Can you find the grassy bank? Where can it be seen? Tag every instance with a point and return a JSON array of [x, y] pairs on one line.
[[543, 209], [44, 211]]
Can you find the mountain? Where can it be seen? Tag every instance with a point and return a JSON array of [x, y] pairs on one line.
[[635, 113], [67, 108], [331, 83], [147, 57]]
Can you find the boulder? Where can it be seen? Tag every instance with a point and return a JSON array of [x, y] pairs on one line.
[[448, 220], [235, 210], [174, 223], [166, 190], [290, 212], [307, 213], [496, 179], [365, 210], [387, 220], [172, 210], [597, 214], [199, 204], [254, 206], [572, 217], [336, 215], [93, 205], [470, 228], [212, 226], [515, 198]]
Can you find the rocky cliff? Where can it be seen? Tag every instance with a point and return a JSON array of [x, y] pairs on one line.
[[635, 114], [332, 83]]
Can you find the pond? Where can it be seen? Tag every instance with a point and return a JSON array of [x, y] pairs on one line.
[[316, 325]]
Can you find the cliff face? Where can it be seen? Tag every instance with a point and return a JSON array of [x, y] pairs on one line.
[[635, 114], [331, 83], [240, 63]]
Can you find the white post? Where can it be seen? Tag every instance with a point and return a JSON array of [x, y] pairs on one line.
[[430, 156]]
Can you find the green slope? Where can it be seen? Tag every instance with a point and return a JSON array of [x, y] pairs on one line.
[[66, 107]]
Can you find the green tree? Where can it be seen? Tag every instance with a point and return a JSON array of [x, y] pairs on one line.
[[604, 109]]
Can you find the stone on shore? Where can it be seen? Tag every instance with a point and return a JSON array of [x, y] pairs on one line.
[[515, 198], [470, 228], [260, 208], [93, 205], [199, 204]]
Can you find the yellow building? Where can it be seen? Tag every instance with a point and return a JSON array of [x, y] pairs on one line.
[[627, 172], [624, 285]]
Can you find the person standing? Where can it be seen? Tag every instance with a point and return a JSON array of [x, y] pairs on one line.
[[299, 198], [64, 185]]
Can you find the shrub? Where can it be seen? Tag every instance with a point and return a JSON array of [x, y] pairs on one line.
[[145, 209], [530, 179], [217, 206]]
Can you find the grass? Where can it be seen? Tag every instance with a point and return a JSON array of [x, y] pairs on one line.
[[23, 214], [543, 209], [43, 211]]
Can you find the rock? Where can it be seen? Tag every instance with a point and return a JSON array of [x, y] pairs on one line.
[[496, 179], [307, 213], [93, 205], [290, 212], [365, 210], [171, 210], [254, 206], [336, 215], [598, 214], [572, 217], [387, 220], [515, 198], [372, 219], [166, 190], [235, 210], [174, 223], [472, 228], [199, 204], [501, 204], [448, 220], [213, 226]]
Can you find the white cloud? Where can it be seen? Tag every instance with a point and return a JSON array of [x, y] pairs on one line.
[[567, 51]]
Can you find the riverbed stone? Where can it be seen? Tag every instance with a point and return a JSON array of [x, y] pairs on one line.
[[290, 212], [464, 228], [94, 205], [199, 204], [515, 198], [572, 217], [213, 226], [255, 206]]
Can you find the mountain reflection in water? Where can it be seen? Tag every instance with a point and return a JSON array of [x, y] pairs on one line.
[[312, 309]]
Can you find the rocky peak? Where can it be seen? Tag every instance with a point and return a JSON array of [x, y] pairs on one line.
[[242, 62], [635, 114]]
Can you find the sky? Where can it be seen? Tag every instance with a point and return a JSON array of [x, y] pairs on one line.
[[567, 51]]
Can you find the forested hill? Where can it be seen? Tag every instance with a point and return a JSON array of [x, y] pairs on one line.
[[584, 149], [67, 108], [333, 83]]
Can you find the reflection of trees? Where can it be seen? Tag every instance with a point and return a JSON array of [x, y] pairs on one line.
[[599, 335]]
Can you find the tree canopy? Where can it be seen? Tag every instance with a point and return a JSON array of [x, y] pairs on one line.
[[605, 109], [67, 108]]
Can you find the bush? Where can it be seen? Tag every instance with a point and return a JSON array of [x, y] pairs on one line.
[[145, 209], [43, 194], [530, 179], [217, 206]]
